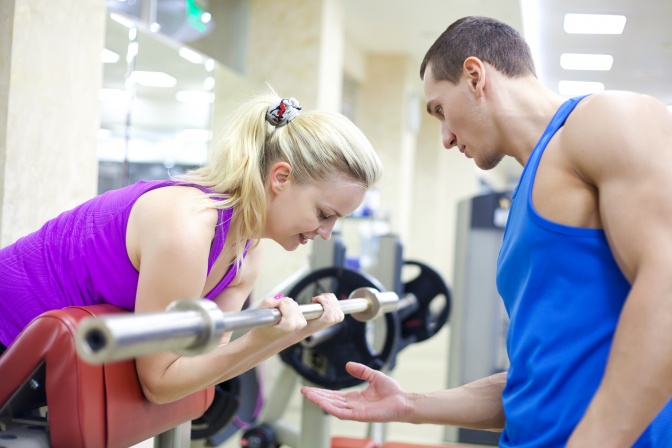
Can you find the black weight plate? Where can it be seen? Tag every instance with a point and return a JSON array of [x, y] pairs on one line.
[[324, 364], [434, 303], [250, 397], [221, 411]]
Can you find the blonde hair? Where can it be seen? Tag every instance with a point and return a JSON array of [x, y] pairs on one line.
[[318, 145]]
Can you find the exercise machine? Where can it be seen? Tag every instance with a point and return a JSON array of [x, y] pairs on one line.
[[320, 360], [479, 321], [77, 365]]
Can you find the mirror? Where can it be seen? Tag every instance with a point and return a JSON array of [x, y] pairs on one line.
[[156, 105]]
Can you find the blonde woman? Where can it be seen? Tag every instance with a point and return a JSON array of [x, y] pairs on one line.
[[277, 174]]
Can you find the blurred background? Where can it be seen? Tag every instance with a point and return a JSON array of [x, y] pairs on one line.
[[97, 94]]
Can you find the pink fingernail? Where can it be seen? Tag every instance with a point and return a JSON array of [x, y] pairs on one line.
[[278, 296]]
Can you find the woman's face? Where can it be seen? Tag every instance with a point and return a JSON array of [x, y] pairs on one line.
[[298, 213]]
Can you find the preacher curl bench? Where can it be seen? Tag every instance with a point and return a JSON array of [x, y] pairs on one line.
[[87, 405]]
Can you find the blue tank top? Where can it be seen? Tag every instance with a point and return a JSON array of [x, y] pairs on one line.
[[564, 293]]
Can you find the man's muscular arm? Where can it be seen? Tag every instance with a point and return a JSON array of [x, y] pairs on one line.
[[622, 144]]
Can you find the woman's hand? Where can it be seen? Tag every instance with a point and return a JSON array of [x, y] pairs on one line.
[[332, 314], [292, 319], [293, 322]]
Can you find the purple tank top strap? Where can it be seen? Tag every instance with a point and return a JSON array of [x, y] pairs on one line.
[[222, 231], [227, 279]]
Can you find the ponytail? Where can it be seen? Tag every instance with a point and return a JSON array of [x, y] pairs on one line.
[[266, 130]]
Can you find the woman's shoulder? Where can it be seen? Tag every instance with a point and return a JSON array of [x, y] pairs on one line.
[[178, 206]]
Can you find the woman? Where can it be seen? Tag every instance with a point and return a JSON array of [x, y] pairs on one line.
[[276, 174]]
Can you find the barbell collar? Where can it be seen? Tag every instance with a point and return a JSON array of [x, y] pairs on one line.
[[378, 303]]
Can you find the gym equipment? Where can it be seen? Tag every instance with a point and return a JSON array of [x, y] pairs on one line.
[[220, 413], [321, 359], [352, 442], [479, 322], [349, 442], [262, 436], [236, 406], [88, 405], [195, 326], [434, 302]]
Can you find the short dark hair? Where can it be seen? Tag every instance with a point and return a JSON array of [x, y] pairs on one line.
[[488, 39]]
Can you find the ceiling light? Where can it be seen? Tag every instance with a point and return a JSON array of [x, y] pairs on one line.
[[128, 23], [575, 88], [209, 83], [194, 96], [112, 95], [104, 134], [574, 61], [153, 79], [206, 17], [530, 10], [594, 24], [190, 55], [194, 135], [109, 57], [132, 51], [210, 65]]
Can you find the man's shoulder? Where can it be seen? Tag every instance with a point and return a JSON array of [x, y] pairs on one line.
[[609, 118], [611, 128], [602, 110]]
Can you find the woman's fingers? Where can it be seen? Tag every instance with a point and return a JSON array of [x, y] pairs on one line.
[[332, 308], [292, 318]]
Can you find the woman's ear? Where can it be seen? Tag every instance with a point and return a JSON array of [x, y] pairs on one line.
[[280, 175]]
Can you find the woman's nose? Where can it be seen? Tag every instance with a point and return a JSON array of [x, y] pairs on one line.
[[325, 229]]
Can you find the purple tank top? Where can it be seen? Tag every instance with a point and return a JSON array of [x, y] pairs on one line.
[[80, 258]]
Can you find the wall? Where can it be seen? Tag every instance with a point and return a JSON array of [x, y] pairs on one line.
[[49, 82]]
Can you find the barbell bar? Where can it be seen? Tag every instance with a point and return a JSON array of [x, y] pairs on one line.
[[195, 326]]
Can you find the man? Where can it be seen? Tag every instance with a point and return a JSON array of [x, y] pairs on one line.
[[585, 269]]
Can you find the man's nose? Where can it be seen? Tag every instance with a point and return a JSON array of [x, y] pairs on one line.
[[449, 139]]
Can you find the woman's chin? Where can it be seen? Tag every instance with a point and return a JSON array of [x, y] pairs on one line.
[[290, 247]]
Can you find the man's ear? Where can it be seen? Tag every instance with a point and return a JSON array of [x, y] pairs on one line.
[[279, 176], [474, 71]]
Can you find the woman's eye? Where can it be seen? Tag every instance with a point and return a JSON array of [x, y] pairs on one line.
[[323, 217]]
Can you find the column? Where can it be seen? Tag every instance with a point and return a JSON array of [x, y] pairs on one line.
[[387, 113], [50, 75], [296, 46]]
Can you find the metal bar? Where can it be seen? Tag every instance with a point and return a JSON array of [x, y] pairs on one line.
[[190, 327]]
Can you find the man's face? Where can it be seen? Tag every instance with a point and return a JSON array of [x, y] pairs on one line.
[[461, 114]]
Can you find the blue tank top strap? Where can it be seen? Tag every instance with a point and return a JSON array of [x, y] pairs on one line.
[[556, 123]]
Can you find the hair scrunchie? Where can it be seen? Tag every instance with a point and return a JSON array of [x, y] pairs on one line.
[[282, 112]]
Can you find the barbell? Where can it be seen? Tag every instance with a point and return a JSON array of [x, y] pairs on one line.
[[195, 326]]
